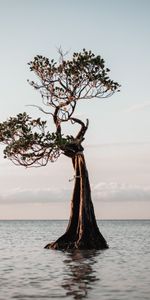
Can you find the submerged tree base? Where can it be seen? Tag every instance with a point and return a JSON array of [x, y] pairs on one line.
[[73, 246], [87, 245], [82, 231]]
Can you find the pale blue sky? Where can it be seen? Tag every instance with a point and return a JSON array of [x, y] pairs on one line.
[[118, 136]]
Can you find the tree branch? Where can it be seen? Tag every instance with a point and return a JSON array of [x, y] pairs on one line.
[[81, 133]]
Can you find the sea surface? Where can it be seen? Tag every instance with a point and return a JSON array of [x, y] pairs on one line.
[[28, 271]]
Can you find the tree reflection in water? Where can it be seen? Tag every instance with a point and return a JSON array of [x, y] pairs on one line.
[[79, 274]]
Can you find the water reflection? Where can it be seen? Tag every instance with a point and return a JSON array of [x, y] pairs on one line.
[[80, 275]]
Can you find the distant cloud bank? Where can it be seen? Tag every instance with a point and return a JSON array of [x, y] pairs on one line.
[[113, 191], [34, 196], [102, 191]]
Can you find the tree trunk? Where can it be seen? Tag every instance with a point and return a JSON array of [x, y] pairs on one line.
[[82, 231]]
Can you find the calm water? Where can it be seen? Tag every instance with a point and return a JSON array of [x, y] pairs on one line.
[[27, 271]]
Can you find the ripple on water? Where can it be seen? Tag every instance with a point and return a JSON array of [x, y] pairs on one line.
[[30, 272]]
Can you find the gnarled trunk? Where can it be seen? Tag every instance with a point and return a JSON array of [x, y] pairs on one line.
[[82, 231]]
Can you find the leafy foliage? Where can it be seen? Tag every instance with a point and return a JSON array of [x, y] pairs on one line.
[[61, 84], [28, 142]]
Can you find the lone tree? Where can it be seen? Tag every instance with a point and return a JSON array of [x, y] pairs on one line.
[[28, 143]]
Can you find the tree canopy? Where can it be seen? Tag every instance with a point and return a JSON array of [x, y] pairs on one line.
[[61, 85]]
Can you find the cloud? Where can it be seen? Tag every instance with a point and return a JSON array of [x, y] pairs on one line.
[[22, 196], [113, 191], [138, 107], [103, 191]]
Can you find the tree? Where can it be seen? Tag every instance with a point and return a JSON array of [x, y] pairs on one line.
[[28, 142]]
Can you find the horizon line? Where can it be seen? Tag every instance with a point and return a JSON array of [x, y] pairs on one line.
[[128, 219]]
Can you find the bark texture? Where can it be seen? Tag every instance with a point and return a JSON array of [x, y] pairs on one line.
[[82, 231]]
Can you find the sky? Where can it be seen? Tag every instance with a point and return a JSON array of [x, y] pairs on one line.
[[117, 144]]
